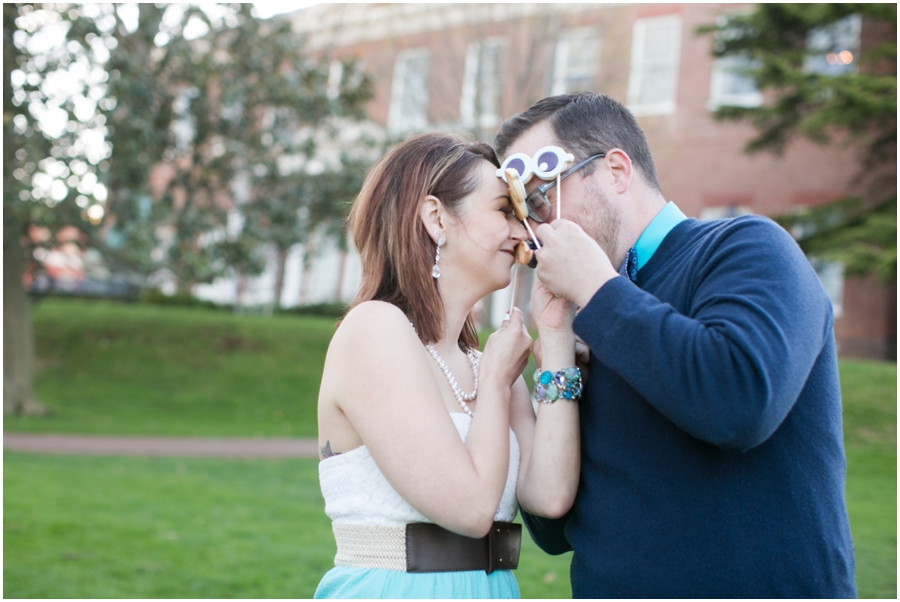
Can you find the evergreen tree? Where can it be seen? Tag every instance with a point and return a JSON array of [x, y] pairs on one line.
[[817, 87]]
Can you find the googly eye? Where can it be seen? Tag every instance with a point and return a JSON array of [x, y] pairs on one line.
[[546, 164], [519, 162], [550, 161]]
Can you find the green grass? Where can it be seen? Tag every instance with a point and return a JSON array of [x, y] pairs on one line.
[[87, 527], [120, 527], [870, 439], [108, 367]]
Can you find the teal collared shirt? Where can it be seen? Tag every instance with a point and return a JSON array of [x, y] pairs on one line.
[[656, 231]]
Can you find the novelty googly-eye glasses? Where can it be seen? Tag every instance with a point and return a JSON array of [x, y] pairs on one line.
[[546, 164]]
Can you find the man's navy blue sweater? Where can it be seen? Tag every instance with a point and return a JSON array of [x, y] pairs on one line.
[[712, 449]]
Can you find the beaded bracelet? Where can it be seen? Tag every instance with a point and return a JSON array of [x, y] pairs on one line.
[[550, 386]]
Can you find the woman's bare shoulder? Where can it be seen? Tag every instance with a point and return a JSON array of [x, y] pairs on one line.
[[368, 310], [373, 326], [373, 339], [374, 318]]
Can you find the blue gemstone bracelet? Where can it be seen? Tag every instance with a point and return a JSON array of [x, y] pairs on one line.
[[562, 384]]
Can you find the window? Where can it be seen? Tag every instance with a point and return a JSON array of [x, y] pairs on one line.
[[835, 48], [409, 91], [655, 50], [831, 275], [480, 102], [343, 75], [575, 61], [729, 86], [335, 75]]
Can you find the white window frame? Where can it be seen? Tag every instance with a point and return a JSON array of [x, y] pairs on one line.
[[829, 41], [402, 117], [563, 70], [477, 81], [642, 66], [724, 75]]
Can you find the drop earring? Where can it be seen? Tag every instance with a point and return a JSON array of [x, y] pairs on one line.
[[436, 270]]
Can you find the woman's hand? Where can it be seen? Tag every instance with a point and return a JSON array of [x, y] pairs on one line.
[[506, 351], [553, 316], [551, 313]]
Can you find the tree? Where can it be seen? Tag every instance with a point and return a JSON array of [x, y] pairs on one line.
[[21, 142], [104, 102], [290, 209], [80, 82], [820, 88], [293, 112]]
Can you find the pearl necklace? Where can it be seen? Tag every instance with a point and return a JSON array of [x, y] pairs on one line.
[[461, 397]]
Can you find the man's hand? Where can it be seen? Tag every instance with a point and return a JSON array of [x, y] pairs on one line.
[[570, 263]]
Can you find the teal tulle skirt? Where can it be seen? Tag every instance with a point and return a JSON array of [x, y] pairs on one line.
[[350, 582]]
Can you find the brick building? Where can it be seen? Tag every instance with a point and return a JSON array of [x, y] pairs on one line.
[[466, 67]]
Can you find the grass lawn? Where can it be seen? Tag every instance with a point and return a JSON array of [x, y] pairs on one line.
[[870, 439], [87, 527], [107, 367], [159, 528]]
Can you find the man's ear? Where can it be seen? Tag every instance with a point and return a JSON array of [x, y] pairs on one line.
[[620, 169], [431, 212]]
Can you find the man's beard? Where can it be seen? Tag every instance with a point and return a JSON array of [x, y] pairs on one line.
[[601, 220]]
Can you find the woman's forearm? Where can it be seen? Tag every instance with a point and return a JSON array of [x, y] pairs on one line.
[[550, 480]]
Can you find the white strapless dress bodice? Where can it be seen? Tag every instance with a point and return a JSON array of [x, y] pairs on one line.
[[356, 491]]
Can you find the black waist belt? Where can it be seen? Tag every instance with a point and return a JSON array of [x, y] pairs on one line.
[[433, 549]]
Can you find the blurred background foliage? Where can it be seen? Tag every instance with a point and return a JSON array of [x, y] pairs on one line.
[[775, 45], [170, 138]]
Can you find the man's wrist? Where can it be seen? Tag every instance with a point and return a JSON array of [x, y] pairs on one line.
[[589, 287]]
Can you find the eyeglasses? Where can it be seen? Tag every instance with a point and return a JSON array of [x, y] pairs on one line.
[[536, 201]]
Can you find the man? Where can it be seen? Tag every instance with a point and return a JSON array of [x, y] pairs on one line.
[[712, 455]]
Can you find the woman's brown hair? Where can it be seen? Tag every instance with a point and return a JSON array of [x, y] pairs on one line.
[[395, 249]]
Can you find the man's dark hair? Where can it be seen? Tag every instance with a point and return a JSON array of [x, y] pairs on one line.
[[585, 123]]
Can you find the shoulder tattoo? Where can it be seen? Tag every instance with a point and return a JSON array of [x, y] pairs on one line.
[[326, 451]]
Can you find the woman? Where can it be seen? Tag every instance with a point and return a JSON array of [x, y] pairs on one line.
[[427, 444]]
